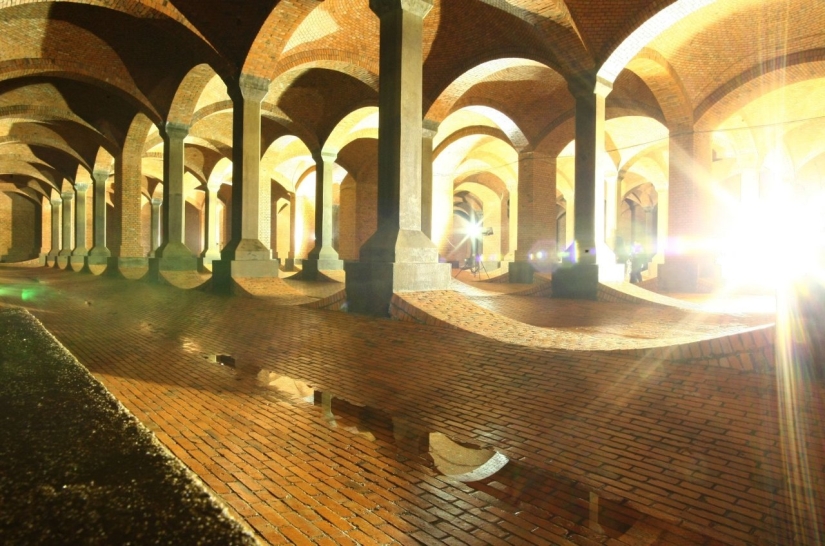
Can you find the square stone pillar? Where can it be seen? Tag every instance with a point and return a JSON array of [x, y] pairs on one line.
[[399, 256], [245, 255], [66, 230], [323, 255], [155, 225], [173, 254], [78, 257], [536, 232], [689, 171], [211, 250], [429, 130], [99, 254], [57, 206], [580, 278]]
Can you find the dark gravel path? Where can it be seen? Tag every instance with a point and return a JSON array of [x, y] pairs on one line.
[[77, 468]]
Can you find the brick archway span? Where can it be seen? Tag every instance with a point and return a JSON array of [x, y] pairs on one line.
[[639, 29], [264, 55], [81, 72], [474, 130], [60, 162], [755, 82], [666, 86], [357, 66], [45, 143], [128, 184], [182, 109], [468, 75], [46, 113], [154, 9], [42, 173], [558, 135]]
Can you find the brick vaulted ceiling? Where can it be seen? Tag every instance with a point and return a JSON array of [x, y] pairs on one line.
[[74, 74]]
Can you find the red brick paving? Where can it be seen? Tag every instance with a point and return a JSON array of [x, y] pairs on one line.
[[678, 454]]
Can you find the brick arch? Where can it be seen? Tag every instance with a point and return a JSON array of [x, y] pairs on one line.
[[655, 154], [357, 66], [343, 135], [138, 8], [282, 22], [47, 113], [470, 131], [641, 29], [558, 135], [19, 167], [471, 73], [81, 72], [104, 161], [755, 82], [61, 146], [182, 109], [666, 86], [128, 184]]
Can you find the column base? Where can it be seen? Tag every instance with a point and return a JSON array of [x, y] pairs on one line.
[[223, 271], [128, 267], [77, 262], [312, 266], [370, 285], [688, 274], [42, 258], [97, 265], [176, 263], [576, 281], [62, 261], [520, 273]]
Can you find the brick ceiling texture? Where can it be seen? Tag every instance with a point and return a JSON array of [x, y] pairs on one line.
[[75, 75]]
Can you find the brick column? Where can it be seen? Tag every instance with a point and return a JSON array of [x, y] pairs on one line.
[[580, 279], [78, 257], [611, 211], [289, 263], [245, 255], [99, 254], [663, 205], [429, 130], [211, 251], [173, 254], [399, 256], [323, 255], [690, 160], [155, 222], [536, 202]]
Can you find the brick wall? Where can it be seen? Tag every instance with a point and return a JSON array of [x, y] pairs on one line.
[[127, 240], [5, 223]]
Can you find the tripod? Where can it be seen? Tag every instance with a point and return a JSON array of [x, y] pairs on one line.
[[474, 265]]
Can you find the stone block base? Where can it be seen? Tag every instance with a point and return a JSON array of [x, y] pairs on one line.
[[77, 263], [176, 263], [370, 285], [521, 273], [223, 271], [63, 262], [576, 281], [311, 267]]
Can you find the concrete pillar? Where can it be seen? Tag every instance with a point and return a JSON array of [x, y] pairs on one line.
[[78, 258], [155, 222], [399, 256], [66, 247], [323, 255], [536, 233], [212, 249], [611, 211], [581, 278], [51, 257], [245, 255], [99, 253], [689, 172], [429, 130], [663, 206], [289, 264]]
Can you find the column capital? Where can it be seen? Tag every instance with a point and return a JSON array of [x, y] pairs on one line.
[[253, 88], [67, 195], [417, 7], [325, 155], [100, 176], [584, 84], [80, 187], [156, 202], [429, 128], [173, 129], [56, 201], [214, 186]]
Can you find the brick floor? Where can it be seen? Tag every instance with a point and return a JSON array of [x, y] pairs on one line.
[[662, 452]]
